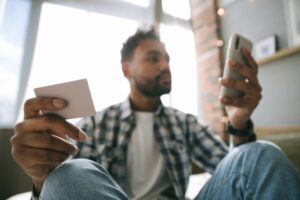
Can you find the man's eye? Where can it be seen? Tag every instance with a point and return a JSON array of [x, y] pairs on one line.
[[153, 59]]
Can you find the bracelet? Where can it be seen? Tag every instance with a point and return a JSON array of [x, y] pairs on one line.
[[245, 132]]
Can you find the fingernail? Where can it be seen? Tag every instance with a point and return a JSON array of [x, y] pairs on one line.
[[232, 62], [221, 98], [59, 103], [225, 81], [224, 99]]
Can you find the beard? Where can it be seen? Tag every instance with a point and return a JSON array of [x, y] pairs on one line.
[[153, 88]]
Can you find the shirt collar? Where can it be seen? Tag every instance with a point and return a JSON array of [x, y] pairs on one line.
[[127, 110]]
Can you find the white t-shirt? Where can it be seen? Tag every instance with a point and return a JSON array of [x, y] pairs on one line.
[[146, 175]]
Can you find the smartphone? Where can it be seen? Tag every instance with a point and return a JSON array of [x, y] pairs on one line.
[[236, 42]]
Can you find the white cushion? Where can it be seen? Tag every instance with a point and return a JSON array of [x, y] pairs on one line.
[[21, 196]]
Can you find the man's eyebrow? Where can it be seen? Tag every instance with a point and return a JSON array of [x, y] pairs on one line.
[[155, 52]]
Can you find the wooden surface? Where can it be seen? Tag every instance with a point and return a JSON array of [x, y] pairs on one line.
[[279, 55], [276, 130]]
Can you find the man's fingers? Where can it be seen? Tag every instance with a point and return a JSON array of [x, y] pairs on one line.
[[250, 92], [49, 142], [40, 171], [235, 84], [249, 59], [50, 123], [247, 72], [33, 106], [37, 156], [228, 101]]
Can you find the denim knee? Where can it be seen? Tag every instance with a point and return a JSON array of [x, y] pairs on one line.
[[260, 146], [81, 179], [73, 170], [256, 170], [261, 155], [270, 172]]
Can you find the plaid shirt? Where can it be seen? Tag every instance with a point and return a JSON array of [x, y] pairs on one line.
[[181, 138]]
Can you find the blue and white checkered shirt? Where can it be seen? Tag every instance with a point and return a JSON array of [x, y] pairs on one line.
[[182, 140]]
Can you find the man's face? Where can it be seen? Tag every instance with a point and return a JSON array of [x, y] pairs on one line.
[[149, 69]]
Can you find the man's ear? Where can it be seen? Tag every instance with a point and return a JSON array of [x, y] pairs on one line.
[[125, 69]]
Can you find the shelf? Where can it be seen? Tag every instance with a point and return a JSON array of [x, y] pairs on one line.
[[276, 130], [279, 55]]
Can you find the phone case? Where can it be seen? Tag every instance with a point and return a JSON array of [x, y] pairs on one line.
[[236, 42]]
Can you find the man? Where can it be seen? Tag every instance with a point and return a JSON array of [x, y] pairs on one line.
[[148, 148]]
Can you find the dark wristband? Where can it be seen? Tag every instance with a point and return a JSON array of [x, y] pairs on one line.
[[245, 132]]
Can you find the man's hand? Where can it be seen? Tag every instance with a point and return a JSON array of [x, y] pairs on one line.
[[239, 110], [39, 143]]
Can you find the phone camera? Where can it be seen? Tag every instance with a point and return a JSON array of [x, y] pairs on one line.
[[237, 42]]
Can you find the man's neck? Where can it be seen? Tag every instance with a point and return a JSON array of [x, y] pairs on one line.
[[142, 103]]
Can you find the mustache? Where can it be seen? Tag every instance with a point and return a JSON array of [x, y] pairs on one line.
[[164, 72]]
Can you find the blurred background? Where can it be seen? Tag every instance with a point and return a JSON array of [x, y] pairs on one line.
[[45, 42]]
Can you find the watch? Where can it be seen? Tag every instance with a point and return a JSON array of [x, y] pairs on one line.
[[245, 132]]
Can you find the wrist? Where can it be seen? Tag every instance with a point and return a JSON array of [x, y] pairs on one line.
[[239, 125], [37, 186], [242, 130]]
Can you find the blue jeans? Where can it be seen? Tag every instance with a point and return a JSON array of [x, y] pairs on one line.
[[257, 170]]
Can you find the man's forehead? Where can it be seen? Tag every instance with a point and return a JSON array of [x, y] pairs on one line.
[[151, 45]]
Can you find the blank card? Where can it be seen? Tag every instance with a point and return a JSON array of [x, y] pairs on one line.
[[76, 93]]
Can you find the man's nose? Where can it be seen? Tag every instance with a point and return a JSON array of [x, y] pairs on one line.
[[164, 64]]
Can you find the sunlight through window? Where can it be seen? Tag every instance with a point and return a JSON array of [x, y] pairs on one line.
[[141, 3], [74, 44], [183, 67], [177, 8]]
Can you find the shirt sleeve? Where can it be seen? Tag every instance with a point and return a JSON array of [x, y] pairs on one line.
[[207, 148]]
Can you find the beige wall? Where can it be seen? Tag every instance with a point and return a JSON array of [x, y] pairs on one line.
[[12, 179]]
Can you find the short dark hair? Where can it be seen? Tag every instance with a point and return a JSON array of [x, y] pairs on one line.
[[132, 42]]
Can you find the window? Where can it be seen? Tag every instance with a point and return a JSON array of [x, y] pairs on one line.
[[177, 8], [9, 71], [142, 3], [13, 25], [183, 67], [73, 43]]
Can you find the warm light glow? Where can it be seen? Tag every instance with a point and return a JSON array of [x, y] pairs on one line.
[[74, 44], [220, 43], [221, 11]]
